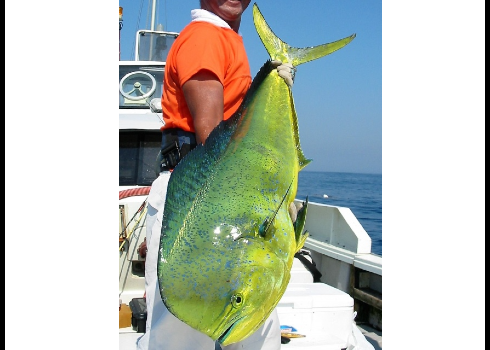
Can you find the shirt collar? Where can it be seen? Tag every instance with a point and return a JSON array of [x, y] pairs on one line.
[[206, 16]]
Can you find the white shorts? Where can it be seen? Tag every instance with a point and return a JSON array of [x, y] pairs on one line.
[[163, 330]]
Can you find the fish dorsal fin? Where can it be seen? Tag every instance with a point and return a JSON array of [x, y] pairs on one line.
[[264, 227], [279, 50]]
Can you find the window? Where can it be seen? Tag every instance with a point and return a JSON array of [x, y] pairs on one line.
[[138, 151]]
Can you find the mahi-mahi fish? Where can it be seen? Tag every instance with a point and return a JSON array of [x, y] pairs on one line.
[[228, 240]]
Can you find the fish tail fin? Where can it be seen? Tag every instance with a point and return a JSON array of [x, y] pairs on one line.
[[279, 50]]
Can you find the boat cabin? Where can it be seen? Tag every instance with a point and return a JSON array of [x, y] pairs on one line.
[[140, 113]]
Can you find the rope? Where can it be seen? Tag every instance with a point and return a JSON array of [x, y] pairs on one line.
[[143, 205], [139, 191], [143, 214]]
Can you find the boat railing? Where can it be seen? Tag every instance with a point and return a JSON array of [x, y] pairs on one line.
[[338, 228], [341, 250]]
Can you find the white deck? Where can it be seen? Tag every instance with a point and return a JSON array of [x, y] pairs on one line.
[[322, 313], [128, 337]]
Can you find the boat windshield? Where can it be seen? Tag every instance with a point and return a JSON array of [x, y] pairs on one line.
[[154, 46], [139, 84]]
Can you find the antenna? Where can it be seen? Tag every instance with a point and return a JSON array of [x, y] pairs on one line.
[[153, 12], [120, 27]]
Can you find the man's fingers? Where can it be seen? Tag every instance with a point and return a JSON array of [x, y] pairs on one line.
[[285, 71], [287, 76]]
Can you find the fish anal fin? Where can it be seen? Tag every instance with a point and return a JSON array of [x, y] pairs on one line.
[[303, 162]]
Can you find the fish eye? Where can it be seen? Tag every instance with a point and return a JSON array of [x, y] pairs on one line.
[[237, 300]]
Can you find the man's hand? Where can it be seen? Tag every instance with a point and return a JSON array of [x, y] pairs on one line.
[[285, 71]]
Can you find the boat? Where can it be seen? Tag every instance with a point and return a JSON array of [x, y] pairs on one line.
[[334, 297]]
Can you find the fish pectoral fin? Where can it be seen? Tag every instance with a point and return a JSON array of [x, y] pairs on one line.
[[299, 226], [263, 227]]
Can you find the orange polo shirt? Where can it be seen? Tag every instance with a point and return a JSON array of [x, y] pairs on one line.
[[202, 45]]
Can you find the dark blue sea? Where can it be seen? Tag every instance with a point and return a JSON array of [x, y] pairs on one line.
[[359, 192]]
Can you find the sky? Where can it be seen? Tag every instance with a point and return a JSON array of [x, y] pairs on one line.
[[61, 156], [338, 98]]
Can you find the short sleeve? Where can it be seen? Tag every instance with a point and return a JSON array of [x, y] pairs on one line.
[[203, 43]]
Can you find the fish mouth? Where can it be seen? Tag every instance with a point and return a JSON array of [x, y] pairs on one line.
[[227, 332]]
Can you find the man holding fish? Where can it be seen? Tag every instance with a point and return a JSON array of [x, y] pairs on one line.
[[206, 78]]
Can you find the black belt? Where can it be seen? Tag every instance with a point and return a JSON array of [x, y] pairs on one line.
[[176, 143]]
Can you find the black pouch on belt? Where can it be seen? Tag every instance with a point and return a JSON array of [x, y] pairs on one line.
[[176, 144]]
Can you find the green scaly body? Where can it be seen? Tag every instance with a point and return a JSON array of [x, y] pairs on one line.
[[228, 241]]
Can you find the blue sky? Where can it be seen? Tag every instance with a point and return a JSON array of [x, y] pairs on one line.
[[338, 98]]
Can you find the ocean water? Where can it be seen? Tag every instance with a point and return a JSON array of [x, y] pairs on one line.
[[359, 192]]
